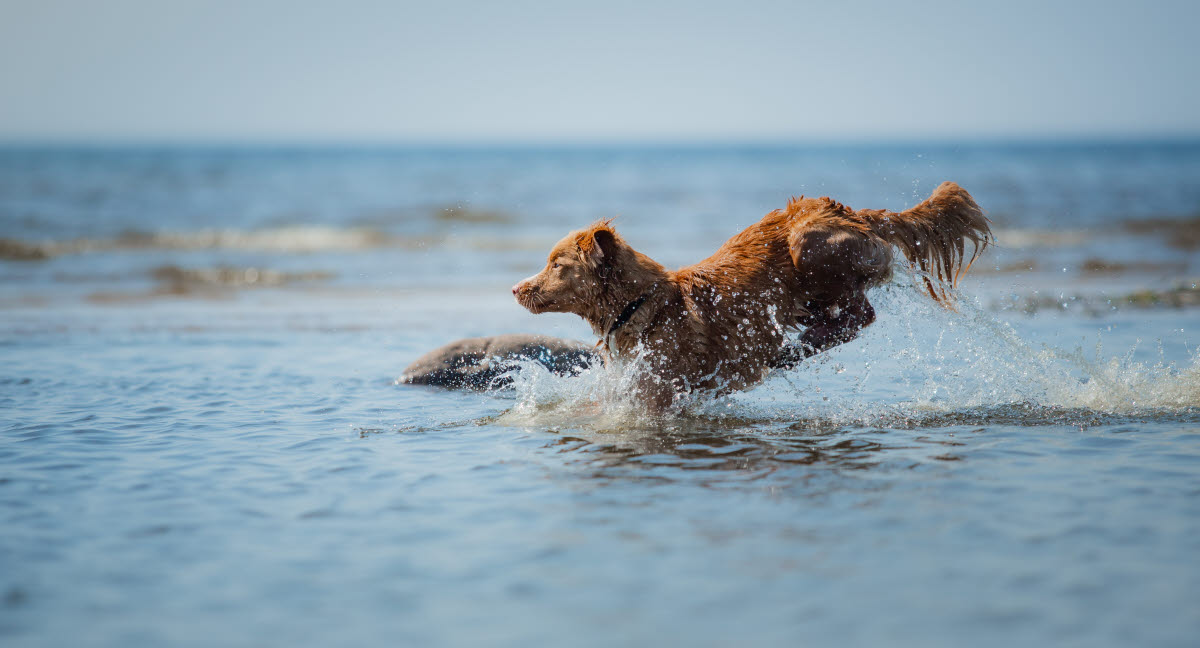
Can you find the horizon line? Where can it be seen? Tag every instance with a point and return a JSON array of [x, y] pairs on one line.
[[592, 142]]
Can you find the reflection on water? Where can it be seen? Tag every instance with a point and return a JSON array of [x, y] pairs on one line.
[[707, 450], [761, 447]]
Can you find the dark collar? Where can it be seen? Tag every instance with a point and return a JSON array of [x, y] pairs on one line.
[[627, 314]]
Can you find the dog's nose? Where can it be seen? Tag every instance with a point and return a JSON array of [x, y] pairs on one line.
[[516, 289]]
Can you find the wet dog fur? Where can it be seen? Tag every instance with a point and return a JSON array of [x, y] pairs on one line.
[[720, 325]]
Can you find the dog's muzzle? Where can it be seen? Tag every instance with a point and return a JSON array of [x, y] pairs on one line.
[[526, 295]]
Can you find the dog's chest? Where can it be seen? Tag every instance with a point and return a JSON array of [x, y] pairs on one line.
[[704, 343]]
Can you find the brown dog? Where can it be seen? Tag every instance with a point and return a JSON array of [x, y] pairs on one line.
[[720, 324]]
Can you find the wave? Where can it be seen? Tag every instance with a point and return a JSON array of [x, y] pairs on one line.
[[1041, 238], [298, 239], [183, 279], [290, 239]]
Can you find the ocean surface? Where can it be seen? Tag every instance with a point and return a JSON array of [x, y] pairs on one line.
[[202, 440]]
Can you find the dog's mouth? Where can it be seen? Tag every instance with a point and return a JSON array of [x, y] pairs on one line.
[[533, 302]]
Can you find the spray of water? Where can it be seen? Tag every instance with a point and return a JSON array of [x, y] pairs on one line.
[[919, 365]]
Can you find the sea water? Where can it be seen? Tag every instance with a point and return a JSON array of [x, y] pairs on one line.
[[202, 441]]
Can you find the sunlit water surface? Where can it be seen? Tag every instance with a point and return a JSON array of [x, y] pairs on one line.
[[201, 459]]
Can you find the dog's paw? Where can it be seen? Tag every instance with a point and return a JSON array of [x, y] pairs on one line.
[[791, 355]]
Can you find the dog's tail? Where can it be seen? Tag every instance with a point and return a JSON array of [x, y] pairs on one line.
[[933, 235]]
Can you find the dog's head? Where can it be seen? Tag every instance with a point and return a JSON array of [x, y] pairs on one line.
[[576, 274]]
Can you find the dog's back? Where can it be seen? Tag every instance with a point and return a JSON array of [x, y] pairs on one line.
[[817, 252]]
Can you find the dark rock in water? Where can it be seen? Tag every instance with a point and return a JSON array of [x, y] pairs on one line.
[[483, 362], [480, 363], [15, 250]]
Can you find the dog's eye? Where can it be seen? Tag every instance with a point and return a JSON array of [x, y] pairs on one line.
[[556, 265]]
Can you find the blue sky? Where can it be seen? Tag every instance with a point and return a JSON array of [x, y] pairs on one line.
[[478, 71]]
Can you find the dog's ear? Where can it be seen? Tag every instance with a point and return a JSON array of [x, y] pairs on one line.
[[606, 244], [599, 245]]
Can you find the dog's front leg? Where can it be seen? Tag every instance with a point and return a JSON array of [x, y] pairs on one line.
[[656, 394], [844, 319], [828, 326]]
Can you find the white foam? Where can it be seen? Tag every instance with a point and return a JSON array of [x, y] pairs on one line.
[[307, 238], [290, 239]]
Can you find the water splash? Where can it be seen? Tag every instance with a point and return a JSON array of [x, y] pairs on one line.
[[920, 364], [605, 397]]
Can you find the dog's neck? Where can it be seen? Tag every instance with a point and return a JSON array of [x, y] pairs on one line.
[[628, 293]]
